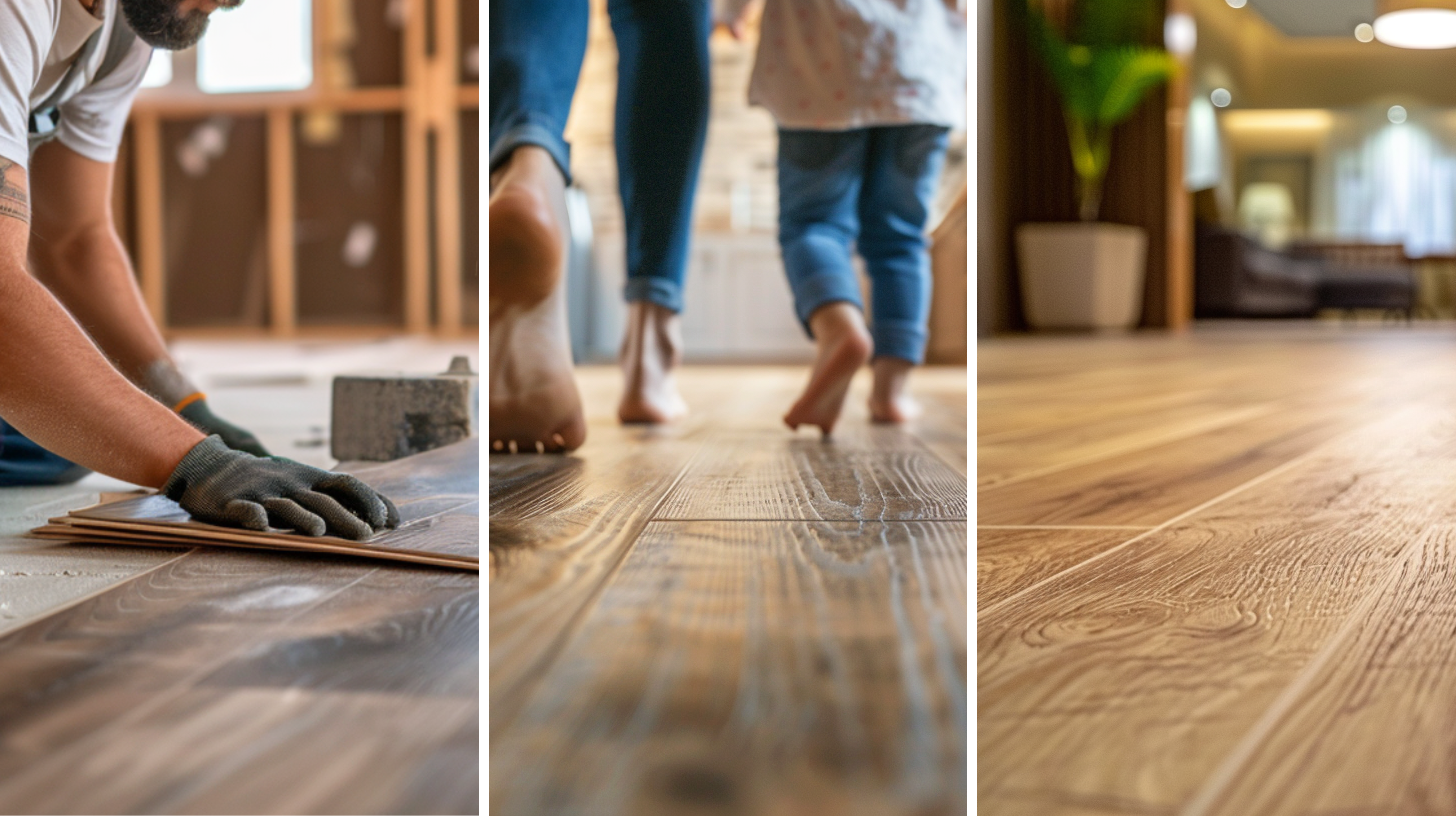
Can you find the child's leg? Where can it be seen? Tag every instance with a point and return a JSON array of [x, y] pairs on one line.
[[663, 100], [903, 167], [819, 185]]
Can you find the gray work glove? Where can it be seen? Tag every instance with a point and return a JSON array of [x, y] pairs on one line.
[[223, 486], [203, 419]]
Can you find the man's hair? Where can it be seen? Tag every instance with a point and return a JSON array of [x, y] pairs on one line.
[[159, 25]]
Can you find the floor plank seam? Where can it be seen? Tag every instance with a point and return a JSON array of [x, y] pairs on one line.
[[947, 519], [543, 664], [1064, 526], [1223, 775], [74, 602], [1143, 443], [1263, 477]]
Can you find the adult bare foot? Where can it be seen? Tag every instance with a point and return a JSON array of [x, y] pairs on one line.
[[534, 404], [843, 345], [651, 351], [889, 401]]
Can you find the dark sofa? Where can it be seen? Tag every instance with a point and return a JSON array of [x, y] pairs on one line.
[[1236, 277]]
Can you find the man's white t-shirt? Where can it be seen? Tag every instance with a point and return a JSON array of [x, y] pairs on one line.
[[39, 39]]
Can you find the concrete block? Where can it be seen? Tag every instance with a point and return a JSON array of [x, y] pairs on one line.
[[382, 417]]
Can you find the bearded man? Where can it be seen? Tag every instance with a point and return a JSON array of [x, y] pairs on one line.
[[85, 379]]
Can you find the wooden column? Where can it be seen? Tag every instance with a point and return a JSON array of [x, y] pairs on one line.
[[150, 249], [1179, 305], [282, 291]]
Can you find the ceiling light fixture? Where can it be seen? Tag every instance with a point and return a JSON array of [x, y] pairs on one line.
[[1220, 97], [1364, 32], [1421, 24], [1237, 3]]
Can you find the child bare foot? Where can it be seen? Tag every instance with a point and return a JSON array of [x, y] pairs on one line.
[[889, 401], [534, 405], [843, 345], [651, 350]]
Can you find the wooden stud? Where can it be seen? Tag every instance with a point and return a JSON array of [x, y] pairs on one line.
[[282, 306], [416, 173], [445, 70], [150, 254]]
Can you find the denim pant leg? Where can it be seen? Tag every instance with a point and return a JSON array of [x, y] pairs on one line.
[[902, 170], [820, 175], [663, 101], [24, 463], [536, 50]]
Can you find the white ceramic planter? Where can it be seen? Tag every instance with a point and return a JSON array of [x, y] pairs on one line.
[[1082, 275]]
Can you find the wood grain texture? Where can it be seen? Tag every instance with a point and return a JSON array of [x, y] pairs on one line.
[[559, 527], [749, 668], [1285, 647], [766, 662], [1151, 485], [1009, 560], [862, 474]]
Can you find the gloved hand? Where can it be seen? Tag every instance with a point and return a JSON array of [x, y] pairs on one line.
[[222, 486], [203, 419]]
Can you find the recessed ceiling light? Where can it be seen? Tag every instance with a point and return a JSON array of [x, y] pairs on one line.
[[1416, 23], [1364, 32], [1237, 3], [1396, 114], [1220, 97]]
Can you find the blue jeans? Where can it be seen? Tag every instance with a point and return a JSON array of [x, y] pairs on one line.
[[24, 463], [536, 50], [868, 189]]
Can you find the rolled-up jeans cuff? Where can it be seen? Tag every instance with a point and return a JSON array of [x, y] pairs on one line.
[[661, 291], [532, 133], [813, 292], [904, 339]]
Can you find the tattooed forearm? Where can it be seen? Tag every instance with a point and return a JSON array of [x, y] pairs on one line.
[[13, 199]]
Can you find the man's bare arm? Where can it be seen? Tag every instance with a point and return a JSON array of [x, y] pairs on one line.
[[55, 385], [13, 201], [77, 254]]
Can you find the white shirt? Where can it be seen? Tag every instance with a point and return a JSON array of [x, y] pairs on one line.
[[841, 64], [39, 39]]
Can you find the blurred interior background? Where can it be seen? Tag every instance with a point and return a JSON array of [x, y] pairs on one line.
[[311, 168], [738, 305]]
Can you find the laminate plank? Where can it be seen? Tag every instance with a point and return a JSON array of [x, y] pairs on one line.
[[1154, 484], [754, 668], [437, 493], [1370, 727], [1128, 681], [559, 527], [942, 428], [1010, 560], [345, 705], [862, 474]]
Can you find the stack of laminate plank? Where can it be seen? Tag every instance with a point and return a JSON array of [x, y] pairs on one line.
[[437, 492]]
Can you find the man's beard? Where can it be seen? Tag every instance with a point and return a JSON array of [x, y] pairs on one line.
[[159, 25]]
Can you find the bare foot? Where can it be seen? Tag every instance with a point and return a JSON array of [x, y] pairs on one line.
[[843, 345], [534, 405], [889, 401], [651, 349]]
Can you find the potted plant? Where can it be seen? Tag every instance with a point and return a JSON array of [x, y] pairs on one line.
[[1089, 275]]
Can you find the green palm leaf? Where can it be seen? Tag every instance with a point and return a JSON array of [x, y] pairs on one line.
[[1122, 76]]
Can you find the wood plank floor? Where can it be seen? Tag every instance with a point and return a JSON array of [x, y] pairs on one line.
[[1216, 572], [725, 617], [223, 681]]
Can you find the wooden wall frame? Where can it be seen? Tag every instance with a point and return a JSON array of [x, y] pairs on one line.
[[430, 102]]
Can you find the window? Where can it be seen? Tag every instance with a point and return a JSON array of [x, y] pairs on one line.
[[259, 46]]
